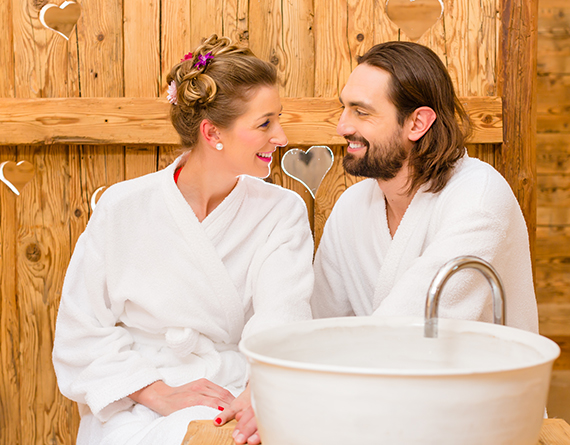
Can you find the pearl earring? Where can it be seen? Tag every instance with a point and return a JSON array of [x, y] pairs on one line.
[[219, 146]]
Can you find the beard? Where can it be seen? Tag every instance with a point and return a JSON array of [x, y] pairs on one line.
[[382, 160]]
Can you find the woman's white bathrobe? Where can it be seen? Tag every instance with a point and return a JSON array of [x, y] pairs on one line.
[[361, 270], [153, 294]]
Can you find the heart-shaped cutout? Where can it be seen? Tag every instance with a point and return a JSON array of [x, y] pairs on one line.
[[308, 167], [16, 176], [60, 19], [414, 17]]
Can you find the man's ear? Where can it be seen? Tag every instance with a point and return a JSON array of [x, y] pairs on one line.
[[209, 132], [420, 121]]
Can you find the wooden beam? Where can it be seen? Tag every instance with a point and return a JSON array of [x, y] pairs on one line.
[[306, 121], [517, 86]]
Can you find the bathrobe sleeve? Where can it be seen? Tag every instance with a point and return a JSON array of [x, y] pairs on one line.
[[282, 272], [92, 355], [479, 218]]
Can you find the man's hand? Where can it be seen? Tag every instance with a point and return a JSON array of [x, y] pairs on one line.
[[165, 399]]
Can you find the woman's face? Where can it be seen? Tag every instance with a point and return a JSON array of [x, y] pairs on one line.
[[250, 142]]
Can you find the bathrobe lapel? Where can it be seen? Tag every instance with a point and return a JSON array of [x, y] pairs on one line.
[[406, 246], [204, 253]]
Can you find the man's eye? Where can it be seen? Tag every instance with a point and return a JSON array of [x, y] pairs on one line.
[[361, 113]]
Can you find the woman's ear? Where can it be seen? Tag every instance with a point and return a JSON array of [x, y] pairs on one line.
[[420, 122], [209, 132]]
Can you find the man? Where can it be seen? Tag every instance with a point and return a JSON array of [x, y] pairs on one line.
[[425, 201]]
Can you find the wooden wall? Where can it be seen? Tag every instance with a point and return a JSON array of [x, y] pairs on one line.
[[553, 166], [124, 48]]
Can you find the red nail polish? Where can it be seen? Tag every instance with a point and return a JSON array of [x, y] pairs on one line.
[[221, 408], [218, 420]]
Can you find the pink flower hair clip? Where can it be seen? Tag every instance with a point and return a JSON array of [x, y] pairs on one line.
[[172, 93], [186, 57], [203, 60]]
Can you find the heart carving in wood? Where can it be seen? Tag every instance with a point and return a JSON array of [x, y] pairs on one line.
[[96, 195], [414, 17], [60, 19], [308, 167], [16, 176]]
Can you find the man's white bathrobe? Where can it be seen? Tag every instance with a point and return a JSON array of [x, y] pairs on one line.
[[361, 270], [153, 294]]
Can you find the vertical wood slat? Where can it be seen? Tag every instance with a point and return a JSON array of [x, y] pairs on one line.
[[517, 86], [175, 43], [205, 19], [235, 21], [10, 372], [9, 308], [42, 63], [141, 36]]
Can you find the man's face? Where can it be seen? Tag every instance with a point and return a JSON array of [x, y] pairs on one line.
[[377, 147]]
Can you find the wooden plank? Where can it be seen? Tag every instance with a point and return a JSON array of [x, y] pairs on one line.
[[553, 153], [307, 121], [384, 29], [265, 38], [333, 60], [203, 432], [562, 363], [554, 432], [235, 21], [554, 190], [142, 72], [205, 19], [553, 318], [553, 103], [9, 313], [517, 86], [298, 48], [175, 43], [7, 79]]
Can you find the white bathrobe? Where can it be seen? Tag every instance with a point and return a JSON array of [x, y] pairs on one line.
[[361, 270], [153, 294]]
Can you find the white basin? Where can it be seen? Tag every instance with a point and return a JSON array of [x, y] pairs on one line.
[[368, 380]]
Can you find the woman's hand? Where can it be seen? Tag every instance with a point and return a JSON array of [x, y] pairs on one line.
[[165, 399], [241, 410]]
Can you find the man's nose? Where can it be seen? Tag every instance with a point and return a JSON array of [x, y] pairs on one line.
[[344, 127]]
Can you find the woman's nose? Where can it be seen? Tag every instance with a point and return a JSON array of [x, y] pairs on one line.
[[279, 138]]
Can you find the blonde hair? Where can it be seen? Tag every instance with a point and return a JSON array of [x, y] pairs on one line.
[[217, 91]]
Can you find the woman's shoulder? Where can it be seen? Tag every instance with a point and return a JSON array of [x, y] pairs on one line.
[[260, 189]]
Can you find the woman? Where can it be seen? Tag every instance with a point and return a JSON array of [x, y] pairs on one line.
[[176, 266]]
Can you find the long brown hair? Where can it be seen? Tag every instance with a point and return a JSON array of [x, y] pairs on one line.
[[218, 89], [419, 78]]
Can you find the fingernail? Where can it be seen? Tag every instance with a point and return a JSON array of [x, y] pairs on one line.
[[221, 408], [240, 438], [235, 433], [218, 420]]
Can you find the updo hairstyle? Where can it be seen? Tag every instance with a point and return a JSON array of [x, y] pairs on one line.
[[218, 91]]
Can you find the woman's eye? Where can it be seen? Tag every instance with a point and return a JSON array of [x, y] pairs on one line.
[[265, 124]]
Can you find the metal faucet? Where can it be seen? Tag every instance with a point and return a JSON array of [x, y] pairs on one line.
[[445, 273]]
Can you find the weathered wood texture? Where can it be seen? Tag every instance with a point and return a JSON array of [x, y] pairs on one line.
[[119, 56], [142, 120], [552, 251]]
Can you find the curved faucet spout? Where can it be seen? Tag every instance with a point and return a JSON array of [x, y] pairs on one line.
[[445, 273]]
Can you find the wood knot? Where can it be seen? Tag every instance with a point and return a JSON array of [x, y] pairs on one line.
[[360, 37], [100, 37], [244, 36], [274, 60], [78, 213], [487, 119], [33, 253]]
